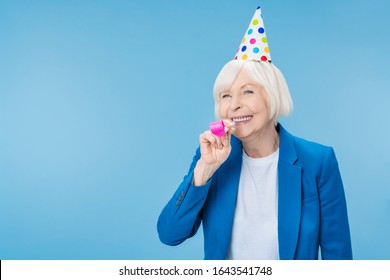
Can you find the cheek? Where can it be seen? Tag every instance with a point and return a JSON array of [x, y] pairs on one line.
[[262, 105], [222, 109], [265, 101]]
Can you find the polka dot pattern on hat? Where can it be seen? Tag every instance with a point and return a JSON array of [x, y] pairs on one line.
[[254, 45]]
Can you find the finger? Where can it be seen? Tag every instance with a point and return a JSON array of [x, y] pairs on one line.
[[214, 141], [229, 136], [225, 139], [206, 138], [232, 130], [228, 123], [218, 141], [206, 144]]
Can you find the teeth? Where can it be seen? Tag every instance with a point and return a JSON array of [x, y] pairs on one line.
[[242, 119]]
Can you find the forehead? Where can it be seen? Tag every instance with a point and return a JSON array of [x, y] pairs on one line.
[[242, 80]]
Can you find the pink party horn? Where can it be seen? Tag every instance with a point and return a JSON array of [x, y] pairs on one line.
[[218, 128]]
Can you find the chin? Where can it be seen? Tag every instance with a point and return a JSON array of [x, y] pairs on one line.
[[241, 134]]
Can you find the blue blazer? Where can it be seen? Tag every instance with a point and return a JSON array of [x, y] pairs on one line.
[[312, 210]]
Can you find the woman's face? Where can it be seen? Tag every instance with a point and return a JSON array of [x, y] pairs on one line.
[[246, 103]]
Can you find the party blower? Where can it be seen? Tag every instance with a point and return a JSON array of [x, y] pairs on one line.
[[218, 128]]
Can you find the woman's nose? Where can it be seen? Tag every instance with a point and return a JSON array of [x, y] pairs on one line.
[[235, 104]]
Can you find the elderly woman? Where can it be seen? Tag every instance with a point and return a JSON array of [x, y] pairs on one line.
[[260, 192]]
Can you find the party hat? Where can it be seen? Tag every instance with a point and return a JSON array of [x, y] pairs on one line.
[[254, 45]]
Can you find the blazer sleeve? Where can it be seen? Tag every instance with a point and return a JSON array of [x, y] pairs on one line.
[[181, 217], [335, 240]]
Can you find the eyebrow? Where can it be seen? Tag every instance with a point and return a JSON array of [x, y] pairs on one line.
[[248, 84]]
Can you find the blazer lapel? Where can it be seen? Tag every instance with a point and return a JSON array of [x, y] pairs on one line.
[[289, 192]]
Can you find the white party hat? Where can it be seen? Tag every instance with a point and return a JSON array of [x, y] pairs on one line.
[[254, 45]]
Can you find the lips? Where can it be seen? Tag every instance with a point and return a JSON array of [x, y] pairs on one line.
[[241, 119]]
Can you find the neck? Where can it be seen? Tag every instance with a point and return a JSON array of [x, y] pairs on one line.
[[265, 143]]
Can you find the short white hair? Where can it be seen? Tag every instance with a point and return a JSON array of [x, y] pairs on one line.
[[262, 72]]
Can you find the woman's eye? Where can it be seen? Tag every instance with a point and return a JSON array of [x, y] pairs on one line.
[[248, 92], [225, 96]]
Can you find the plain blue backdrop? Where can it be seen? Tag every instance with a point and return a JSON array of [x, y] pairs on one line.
[[102, 102]]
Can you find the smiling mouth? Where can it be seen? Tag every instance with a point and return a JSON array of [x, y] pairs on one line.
[[242, 119]]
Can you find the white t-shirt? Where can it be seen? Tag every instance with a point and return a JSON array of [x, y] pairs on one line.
[[255, 224]]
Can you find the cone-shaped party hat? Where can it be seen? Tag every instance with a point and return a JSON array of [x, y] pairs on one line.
[[254, 45]]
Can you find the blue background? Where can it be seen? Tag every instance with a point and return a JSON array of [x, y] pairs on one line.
[[102, 102]]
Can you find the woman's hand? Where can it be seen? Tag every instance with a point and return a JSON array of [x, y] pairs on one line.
[[214, 151]]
